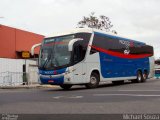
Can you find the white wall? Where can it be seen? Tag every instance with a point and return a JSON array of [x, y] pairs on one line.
[[11, 65], [7, 66], [14, 65]]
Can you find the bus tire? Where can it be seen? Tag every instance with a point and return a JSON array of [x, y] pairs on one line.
[[139, 77], [66, 86], [145, 76], [94, 81]]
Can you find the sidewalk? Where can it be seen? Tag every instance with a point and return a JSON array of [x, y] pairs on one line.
[[34, 86]]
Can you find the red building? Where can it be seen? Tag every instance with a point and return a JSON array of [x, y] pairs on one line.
[[13, 42]]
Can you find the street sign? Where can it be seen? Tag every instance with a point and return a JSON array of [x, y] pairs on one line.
[[25, 54]]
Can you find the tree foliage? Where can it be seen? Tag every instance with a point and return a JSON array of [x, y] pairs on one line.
[[102, 23]]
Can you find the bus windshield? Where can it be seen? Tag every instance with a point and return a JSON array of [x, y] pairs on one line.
[[54, 52]]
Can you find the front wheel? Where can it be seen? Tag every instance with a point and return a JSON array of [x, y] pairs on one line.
[[65, 86], [94, 81]]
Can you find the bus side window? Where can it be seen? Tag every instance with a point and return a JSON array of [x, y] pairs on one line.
[[78, 54], [75, 56]]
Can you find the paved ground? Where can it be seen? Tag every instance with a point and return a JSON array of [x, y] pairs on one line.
[[108, 98]]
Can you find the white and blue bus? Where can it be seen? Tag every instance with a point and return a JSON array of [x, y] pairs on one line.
[[88, 57]]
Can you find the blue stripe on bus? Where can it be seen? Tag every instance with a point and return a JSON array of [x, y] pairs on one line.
[[112, 66]]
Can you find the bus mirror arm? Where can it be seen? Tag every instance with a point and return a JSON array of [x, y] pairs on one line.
[[33, 47], [70, 45]]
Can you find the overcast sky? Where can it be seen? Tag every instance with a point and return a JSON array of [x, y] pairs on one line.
[[136, 19]]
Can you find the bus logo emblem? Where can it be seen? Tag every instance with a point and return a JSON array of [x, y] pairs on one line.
[[127, 45]]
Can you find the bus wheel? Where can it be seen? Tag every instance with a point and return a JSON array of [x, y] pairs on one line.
[[144, 78], [94, 81], [139, 77], [65, 86]]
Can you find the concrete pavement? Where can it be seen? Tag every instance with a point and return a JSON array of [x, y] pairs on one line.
[[107, 99]]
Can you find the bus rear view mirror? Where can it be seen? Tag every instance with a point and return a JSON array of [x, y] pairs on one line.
[[71, 43], [33, 47]]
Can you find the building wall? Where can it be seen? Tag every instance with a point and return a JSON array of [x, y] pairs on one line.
[[25, 40], [11, 71], [11, 65], [14, 40], [7, 42]]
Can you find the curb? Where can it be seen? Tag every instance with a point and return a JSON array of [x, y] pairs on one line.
[[29, 87]]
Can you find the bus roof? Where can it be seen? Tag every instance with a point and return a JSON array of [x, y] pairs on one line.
[[89, 30]]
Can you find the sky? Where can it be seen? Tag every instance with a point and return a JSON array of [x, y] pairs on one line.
[[135, 19]]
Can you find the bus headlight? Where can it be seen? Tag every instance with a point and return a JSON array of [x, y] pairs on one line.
[[69, 71]]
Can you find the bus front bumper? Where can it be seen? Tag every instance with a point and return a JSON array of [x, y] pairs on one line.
[[54, 79]]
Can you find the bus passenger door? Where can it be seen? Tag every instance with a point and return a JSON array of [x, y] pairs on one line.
[[78, 64]]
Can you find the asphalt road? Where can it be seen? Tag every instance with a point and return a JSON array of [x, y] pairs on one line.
[[108, 98]]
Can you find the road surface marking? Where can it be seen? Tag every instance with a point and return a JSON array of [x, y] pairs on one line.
[[141, 90], [71, 97], [76, 97], [134, 95], [57, 97]]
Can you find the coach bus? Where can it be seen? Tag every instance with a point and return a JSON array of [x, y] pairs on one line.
[[88, 57]]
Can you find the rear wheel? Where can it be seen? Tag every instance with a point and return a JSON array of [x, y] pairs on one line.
[[94, 81], [65, 86], [145, 76], [139, 77]]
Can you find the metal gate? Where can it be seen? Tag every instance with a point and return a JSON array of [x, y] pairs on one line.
[[11, 78], [33, 74]]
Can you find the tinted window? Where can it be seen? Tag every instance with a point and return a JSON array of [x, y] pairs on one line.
[[80, 47], [119, 45], [86, 38], [141, 49], [106, 43]]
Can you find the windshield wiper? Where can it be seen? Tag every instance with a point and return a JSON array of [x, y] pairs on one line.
[[47, 60]]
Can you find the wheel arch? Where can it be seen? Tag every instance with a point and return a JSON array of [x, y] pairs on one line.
[[139, 69], [95, 71]]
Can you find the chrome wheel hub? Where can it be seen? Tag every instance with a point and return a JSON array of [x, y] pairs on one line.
[[93, 80], [139, 77]]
